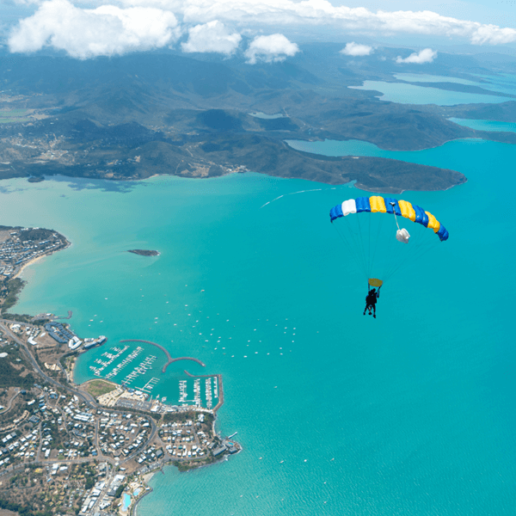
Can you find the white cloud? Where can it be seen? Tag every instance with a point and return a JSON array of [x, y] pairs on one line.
[[264, 13], [425, 56], [355, 49], [211, 37], [273, 48], [85, 33], [107, 29]]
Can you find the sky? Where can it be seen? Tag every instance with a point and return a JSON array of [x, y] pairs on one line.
[[260, 30]]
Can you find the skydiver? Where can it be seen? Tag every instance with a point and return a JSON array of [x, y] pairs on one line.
[[371, 298]]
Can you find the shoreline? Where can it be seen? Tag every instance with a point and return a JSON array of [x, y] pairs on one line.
[[81, 390], [35, 260]]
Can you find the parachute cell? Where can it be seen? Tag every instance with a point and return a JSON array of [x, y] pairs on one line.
[[348, 207], [392, 206], [363, 204], [377, 204], [407, 211]]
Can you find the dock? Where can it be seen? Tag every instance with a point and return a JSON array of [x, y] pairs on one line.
[[221, 388]]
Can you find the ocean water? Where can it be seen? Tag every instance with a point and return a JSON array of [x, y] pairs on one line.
[[403, 93], [411, 413], [486, 125]]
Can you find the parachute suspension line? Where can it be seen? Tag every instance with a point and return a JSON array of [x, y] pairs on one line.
[[360, 233], [394, 213], [356, 237], [354, 246], [426, 243], [369, 257], [377, 239], [350, 243], [358, 241]]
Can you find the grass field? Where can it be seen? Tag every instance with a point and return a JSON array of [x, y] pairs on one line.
[[98, 387]]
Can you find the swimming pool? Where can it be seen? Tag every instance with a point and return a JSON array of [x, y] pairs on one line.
[[127, 501]]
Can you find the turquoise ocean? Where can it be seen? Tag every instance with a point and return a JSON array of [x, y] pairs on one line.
[[337, 413]]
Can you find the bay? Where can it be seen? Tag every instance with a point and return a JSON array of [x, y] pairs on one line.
[[411, 413], [404, 93], [501, 83]]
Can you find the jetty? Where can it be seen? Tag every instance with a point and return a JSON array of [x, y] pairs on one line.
[[169, 357], [221, 387]]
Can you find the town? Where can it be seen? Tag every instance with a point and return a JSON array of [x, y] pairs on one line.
[[21, 245], [86, 449]]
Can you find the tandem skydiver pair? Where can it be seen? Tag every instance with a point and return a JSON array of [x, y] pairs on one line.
[[373, 251]]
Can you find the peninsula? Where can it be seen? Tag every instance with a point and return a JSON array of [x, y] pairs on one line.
[[209, 119]]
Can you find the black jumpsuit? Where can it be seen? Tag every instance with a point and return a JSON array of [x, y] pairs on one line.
[[371, 298]]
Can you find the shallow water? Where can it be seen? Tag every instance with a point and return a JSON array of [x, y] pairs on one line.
[[486, 125], [403, 93]]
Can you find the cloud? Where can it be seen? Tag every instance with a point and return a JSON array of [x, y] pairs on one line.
[[211, 37], [85, 33], [273, 48], [264, 13], [425, 56], [355, 49], [86, 28]]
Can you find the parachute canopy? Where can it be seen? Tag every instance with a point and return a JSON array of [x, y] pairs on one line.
[[378, 204]]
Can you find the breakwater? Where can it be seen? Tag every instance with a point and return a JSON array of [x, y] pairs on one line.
[[170, 360]]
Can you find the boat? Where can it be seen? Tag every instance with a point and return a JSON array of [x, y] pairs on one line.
[[91, 343]]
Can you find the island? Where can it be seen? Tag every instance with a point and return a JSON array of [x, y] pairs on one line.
[[144, 252], [81, 449]]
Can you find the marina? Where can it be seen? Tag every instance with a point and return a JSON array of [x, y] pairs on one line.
[[139, 370], [147, 388], [118, 368], [110, 358]]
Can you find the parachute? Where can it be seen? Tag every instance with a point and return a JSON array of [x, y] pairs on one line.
[[377, 204], [368, 233]]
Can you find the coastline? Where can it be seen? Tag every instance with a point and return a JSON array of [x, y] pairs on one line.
[[34, 260]]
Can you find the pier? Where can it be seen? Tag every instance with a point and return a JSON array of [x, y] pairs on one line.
[[221, 388], [169, 357]]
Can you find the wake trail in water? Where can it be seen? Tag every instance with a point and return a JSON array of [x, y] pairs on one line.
[[295, 193]]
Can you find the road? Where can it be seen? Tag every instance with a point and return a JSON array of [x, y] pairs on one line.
[[84, 396], [6, 409]]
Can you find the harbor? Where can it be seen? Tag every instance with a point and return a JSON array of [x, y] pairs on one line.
[[143, 374]]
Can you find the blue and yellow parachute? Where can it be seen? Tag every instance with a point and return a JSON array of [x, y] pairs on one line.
[[378, 204]]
